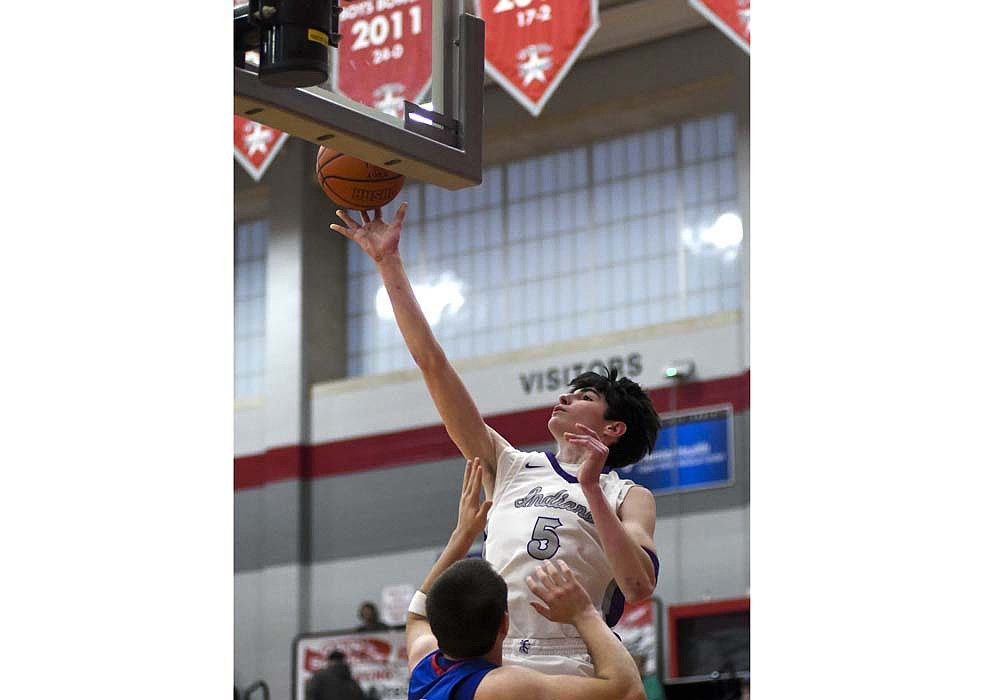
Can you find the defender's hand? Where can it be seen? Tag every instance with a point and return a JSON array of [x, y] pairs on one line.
[[377, 238], [471, 513], [565, 599]]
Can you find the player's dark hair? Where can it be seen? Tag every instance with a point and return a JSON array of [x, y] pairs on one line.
[[628, 403], [465, 608]]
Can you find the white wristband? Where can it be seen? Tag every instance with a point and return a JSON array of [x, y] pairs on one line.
[[418, 605]]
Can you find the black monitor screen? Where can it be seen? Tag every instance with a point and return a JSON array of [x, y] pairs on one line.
[[713, 643]]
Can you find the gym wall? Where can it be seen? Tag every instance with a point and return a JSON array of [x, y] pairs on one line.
[[344, 485]]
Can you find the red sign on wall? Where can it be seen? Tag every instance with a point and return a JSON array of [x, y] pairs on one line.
[[385, 53], [255, 145], [532, 44], [377, 660], [731, 16]]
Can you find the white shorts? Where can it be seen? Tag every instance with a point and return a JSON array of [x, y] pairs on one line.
[[559, 656]]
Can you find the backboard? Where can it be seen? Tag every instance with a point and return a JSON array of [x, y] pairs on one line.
[[443, 146]]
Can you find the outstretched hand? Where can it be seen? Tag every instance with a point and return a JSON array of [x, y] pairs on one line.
[[596, 453], [471, 513], [376, 237]]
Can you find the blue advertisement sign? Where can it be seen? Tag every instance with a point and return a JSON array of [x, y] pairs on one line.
[[693, 450]]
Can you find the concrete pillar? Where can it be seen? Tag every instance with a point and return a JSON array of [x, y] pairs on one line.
[[305, 343]]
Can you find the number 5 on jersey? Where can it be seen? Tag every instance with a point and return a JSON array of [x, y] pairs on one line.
[[544, 541]]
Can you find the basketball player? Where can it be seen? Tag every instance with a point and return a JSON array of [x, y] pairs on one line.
[[566, 506], [455, 632]]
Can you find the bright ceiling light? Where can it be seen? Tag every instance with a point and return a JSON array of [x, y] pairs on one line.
[[726, 232], [724, 236], [434, 299]]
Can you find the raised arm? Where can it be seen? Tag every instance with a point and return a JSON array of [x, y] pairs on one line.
[[625, 534], [420, 641], [465, 426], [565, 601]]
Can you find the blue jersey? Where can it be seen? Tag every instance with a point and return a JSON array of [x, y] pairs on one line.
[[438, 678]]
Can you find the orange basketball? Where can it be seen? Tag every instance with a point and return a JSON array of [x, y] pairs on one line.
[[352, 183]]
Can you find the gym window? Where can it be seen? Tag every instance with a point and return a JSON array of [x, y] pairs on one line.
[[616, 235], [248, 277]]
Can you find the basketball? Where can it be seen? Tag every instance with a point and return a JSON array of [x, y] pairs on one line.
[[352, 183]]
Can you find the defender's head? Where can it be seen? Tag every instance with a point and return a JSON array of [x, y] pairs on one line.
[[616, 408], [467, 609]]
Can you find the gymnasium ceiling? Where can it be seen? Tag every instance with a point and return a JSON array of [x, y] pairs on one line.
[[626, 23]]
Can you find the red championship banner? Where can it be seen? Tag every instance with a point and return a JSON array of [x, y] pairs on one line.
[[730, 16], [255, 145], [532, 44], [385, 53], [377, 660]]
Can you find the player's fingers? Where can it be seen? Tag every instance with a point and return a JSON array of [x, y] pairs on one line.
[[556, 572], [378, 213], [543, 577], [465, 477], [484, 510], [401, 213], [341, 230], [365, 217], [584, 440], [590, 433], [553, 573], [477, 480], [350, 223], [567, 573], [542, 610], [539, 587], [535, 582]]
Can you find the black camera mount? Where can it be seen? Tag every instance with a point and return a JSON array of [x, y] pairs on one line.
[[292, 37]]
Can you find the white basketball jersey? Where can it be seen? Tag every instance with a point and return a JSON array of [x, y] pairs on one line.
[[539, 513]]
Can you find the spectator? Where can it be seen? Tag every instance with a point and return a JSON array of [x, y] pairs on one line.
[[334, 682], [370, 622]]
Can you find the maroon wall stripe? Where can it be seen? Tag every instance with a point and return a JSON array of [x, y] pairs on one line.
[[526, 427], [734, 390], [277, 464]]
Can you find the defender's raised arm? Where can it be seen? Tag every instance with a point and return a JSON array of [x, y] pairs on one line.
[[420, 639]]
